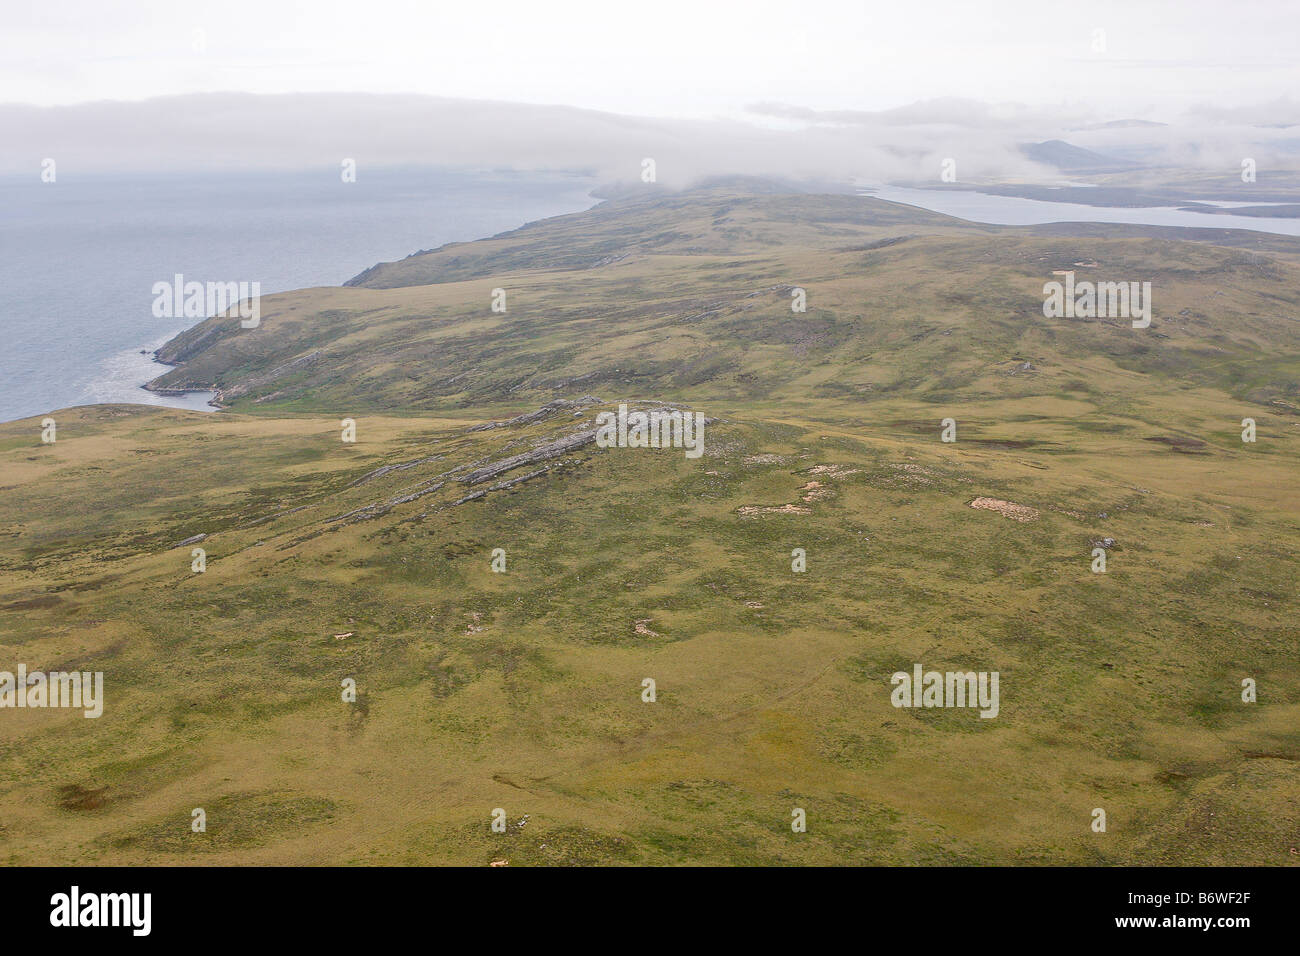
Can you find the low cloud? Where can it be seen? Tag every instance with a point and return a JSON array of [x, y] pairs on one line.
[[224, 131]]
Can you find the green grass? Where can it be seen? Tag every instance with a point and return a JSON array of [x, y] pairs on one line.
[[522, 690]]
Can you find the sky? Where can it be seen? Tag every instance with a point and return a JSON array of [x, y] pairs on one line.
[[668, 58]]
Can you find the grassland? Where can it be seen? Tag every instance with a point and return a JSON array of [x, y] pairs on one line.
[[522, 690]]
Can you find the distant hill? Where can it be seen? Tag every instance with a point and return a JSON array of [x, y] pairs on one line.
[[718, 262], [1069, 158]]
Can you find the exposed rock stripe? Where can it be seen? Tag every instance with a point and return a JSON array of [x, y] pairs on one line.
[[544, 453], [383, 507], [386, 469]]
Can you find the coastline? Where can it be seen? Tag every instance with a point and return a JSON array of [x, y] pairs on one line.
[[596, 195], [118, 381], [1001, 209], [96, 342], [168, 391]]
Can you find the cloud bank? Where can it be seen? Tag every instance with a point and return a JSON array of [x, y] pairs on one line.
[[236, 131]]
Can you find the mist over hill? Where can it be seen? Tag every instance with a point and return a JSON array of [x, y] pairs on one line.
[[313, 130]]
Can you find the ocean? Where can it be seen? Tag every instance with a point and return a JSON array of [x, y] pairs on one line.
[[81, 256]]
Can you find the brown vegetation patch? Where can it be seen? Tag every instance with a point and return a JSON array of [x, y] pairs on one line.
[[1007, 443], [1185, 446], [32, 604], [74, 796]]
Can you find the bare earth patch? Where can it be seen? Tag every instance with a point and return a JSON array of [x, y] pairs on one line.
[[764, 459], [914, 474], [1076, 515], [1007, 509], [748, 511], [816, 491], [832, 471]]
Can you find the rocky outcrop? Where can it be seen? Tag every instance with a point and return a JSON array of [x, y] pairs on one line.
[[546, 411], [190, 343], [388, 469], [503, 485], [266, 378], [542, 453], [383, 507]]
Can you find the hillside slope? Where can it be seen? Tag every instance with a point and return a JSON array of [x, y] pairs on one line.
[[371, 561], [691, 295]]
